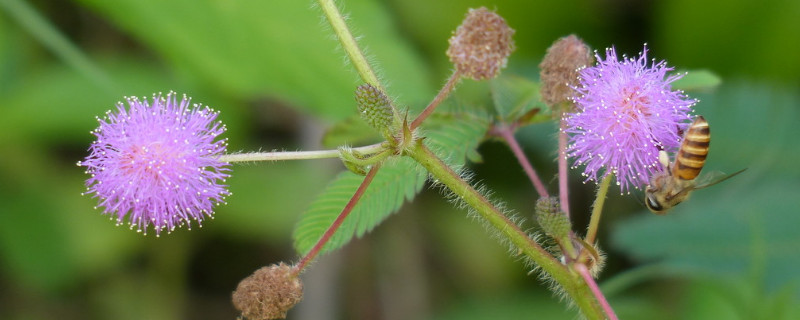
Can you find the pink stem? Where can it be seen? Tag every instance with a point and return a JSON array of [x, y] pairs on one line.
[[443, 93], [596, 291], [338, 222], [505, 132], [563, 194]]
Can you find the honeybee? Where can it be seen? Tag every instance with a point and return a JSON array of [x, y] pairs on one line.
[[673, 185]]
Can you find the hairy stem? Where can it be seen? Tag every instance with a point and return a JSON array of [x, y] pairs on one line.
[[573, 285], [294, 155], [563, 193], [443, 93], [338, 222], [584, 272], [348, 42], [363, 68], [505, 132], [597, 209]]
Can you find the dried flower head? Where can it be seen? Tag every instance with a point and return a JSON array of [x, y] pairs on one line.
[[626, 112], [480, 46], [560, 66], [157, 163], [268, 293]]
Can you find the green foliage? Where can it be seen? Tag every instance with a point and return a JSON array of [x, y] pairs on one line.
[[505, 305], [744, 227], [756, 39], [397, 181], [65, 239], [516, 98], [254, 48], [351, 131], [738, 299], [454, 136], [696, 80]]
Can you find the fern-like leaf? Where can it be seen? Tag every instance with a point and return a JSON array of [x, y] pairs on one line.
[[400, 179]]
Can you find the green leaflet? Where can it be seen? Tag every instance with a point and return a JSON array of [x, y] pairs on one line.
[[456, 136], [695, 80], [400, 179], [394, 183], [351, 131], [515, 96]]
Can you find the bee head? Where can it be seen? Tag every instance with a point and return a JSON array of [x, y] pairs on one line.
[[653, 204]]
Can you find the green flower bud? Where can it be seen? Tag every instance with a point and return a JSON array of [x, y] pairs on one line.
[[374, 107], [553, 221]]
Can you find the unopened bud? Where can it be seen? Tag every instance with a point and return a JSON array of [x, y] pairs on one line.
[[374, 106], [480, 46], [553, 221], [559, 68], [268, 293]]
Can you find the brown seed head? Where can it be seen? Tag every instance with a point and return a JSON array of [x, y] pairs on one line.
[[559, 68], [268, 293], [480, 46]]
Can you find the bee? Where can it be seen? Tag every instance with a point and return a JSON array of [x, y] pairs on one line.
[[673, 185]]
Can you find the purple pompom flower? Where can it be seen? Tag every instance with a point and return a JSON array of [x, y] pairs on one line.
[[626, 112], [158, 163]]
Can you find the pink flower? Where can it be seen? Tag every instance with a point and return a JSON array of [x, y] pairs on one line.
[[157, 164], [626, 112]]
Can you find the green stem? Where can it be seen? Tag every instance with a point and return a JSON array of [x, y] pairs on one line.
[[348, 42], [572, 283], [597, 209], [567, 247], [294, 155], [365, 160]]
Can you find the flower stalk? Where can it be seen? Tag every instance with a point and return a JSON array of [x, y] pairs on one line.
[[597, 208], [563, 191], [295, 155], [506, 133], [443, 94], [336, 223]]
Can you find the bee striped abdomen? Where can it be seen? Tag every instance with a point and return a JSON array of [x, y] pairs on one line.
[[694, 149]]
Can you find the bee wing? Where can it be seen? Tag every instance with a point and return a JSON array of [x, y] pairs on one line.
[[714, 178]]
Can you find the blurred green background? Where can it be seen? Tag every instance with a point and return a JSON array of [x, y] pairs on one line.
[[279, 80]]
